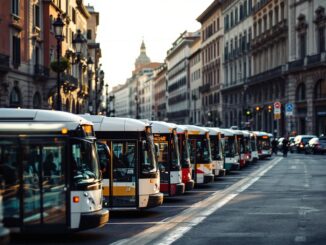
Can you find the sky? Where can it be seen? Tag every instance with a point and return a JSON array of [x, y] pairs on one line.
[[125, 23]]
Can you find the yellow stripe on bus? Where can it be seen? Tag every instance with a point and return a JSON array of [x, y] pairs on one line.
[[120, 191]]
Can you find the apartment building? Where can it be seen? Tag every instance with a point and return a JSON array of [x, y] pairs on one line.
[[211, 59], [160, 104]]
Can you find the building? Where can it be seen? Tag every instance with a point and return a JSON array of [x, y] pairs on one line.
[[306, 85], [196, 116], [160, 113], [29, 49], [178, 83], [211, 49], [121, 100]]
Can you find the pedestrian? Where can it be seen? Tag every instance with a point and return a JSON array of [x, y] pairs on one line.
[[274, 146], [285, 146]]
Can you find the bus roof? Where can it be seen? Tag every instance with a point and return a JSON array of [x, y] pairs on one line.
[[260, 133], [193, 130], [162, 127], [116, 124], [227, 132], [38, 120], [181, 129], [214, 130]]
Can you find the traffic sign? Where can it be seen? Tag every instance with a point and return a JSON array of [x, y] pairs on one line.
[[289, 107], [277, 108]]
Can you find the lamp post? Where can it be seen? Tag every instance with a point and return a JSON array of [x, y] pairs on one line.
[[58, 33], [107, 99], [101, 76], [90, 65], [137, 105], [194, 98]]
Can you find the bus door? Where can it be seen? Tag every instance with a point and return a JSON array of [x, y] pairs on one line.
[[44, 194], [163, 162], [124, 177]]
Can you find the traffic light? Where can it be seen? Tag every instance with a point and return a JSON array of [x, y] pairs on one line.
[[247, 112], [270, 108], [258, 108]]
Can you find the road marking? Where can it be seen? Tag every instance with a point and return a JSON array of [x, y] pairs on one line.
[[135, 223], [180, 224]]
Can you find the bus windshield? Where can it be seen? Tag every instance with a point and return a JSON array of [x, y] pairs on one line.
[[215, 146], [148, 164], [185, 155], [263, 144], [229, 146], [203, 151], [175, 155], [253, 143], [84, 161]]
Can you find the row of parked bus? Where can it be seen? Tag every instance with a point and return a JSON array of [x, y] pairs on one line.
[[64, 172]]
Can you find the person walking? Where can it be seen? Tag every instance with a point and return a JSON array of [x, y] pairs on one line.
[[285, 146], [274, 146]]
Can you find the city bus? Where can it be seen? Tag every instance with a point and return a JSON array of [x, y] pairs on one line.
[[4, 232], [216, 136], [131, 178], [200, 154], [183, 140], [253, 145], [166, 140], [242, 148], [50, 170], [263, 144], [231, 152]]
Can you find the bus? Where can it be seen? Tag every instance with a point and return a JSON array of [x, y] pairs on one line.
[[263, 144], [216, 136], [131, 178], [200, 154], [184, 150], [253, 144], [4, 232], [50, 170], [166, 140], [231, 152], [242, 148]]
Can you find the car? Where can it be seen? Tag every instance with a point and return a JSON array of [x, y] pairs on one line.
[[316, 145], [299, 143]]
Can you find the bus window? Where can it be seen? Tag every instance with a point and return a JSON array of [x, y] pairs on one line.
[[104, 158], [203, 151], [85, 161], [148, 162], [163, 156], [175, 156], [229, 147]]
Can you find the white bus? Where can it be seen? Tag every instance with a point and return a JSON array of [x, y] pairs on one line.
[[231, 151], [127, 156], [200, 154], [165, 137], [215, 136], [50, 169]]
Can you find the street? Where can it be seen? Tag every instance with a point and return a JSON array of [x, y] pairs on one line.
[[274, 201]]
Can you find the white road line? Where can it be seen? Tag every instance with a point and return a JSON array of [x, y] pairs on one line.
[[180, 224]]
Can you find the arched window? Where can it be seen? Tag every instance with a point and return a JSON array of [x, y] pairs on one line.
[[37, 101], [15, 98], [301, 92], [320, 89]]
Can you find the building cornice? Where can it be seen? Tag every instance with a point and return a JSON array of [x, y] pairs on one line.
[[82, 9], [209, 11]]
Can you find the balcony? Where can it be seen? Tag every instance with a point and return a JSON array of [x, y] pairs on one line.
[[313, 59], [70, 83], [41, 72], [204, 88], [267, 75], [4, 63], [296, 65]]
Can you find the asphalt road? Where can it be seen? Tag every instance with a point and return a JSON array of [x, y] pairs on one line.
[[278, 201]]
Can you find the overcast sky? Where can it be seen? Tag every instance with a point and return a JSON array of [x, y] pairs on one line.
[[124, 23]]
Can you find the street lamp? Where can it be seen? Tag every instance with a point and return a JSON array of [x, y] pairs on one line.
[[90, 66], [137, 105], [101, 76], [58, 33], [78, 42], [107, 99]]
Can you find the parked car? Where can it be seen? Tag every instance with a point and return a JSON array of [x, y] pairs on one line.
[[316, 145], [299, 143]]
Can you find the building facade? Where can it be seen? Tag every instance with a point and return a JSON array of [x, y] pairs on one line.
[[211, 50], [160, 112]]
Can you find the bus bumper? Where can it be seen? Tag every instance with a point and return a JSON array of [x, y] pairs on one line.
[[222, 172], [180, 188], [231, 166], [208, 178], [190, 185], [155, 200], [94, 219]]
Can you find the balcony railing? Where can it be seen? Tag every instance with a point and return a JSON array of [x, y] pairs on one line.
[[204, 88], [41, 71], [267, 75], [296, 64], [314, 59], [4, 63]]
